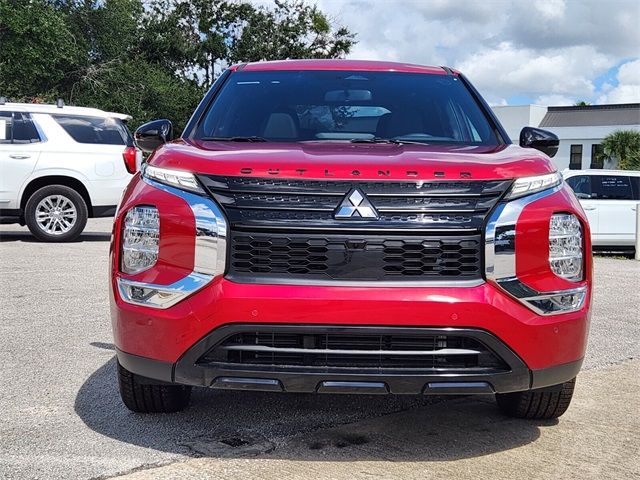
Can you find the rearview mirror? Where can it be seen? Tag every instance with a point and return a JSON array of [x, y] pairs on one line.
[[151, 135], [539, 139], [347, 96]]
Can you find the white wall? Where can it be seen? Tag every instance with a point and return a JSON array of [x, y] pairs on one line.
[[585, 136], [514, 118]]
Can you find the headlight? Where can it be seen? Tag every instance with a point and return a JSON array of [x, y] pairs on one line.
[[140, 239], [565, 246], [175, 178], [528, 185]]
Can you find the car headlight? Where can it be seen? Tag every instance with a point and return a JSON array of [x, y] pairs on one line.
[[528, 185], [175, 178], [140, 239], [565, 246]]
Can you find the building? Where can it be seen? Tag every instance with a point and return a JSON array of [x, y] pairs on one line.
[[580, 129]]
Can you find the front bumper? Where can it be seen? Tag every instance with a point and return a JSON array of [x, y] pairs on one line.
[[191, 370]]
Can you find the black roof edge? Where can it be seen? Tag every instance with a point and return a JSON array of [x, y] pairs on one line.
[[610, 106], [241, 66], [446, 69]]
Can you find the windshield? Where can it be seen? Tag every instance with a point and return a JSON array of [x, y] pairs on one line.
[[296, 106]]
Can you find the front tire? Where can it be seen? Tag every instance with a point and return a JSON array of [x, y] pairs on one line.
[[141, 396], [56, 213], [540, 404]]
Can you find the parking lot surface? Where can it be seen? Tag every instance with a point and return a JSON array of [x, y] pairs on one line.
[[62, 416]]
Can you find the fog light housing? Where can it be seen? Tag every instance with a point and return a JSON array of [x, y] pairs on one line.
[[565, 246], [140, 239]]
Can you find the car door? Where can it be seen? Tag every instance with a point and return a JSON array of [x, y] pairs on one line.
[[616, 209], [581, 185], [20, 146]]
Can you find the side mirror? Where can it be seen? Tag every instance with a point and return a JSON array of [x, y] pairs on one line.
[[539, 139], [151, 135]]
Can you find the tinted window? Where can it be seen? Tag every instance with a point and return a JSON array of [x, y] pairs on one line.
[[597, 156], [106, 131], [17, 127], [575, 160], [295, 106], [635, 186], [581, 185], [611, 187]]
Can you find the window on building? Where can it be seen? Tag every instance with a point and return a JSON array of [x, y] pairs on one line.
[[575, 160], [597, 156]]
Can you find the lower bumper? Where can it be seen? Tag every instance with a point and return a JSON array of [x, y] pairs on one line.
[[190, 370]]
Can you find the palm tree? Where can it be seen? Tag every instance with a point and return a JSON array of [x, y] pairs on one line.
[[625, 146]]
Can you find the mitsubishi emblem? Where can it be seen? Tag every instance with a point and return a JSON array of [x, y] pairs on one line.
[[355, 204]]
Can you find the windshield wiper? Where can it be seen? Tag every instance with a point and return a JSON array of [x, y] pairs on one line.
[[393, 141], [375, 140], [235, 139]]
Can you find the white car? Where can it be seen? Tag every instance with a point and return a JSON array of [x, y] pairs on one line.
[[610, 199], [60, 165]]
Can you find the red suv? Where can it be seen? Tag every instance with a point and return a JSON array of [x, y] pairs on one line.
[[349, 227]]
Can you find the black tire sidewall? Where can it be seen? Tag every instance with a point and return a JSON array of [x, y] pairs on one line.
[[73, 196]]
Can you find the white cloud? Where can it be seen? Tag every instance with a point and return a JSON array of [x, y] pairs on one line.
[[554, 100], [507, 47], [628, 88]]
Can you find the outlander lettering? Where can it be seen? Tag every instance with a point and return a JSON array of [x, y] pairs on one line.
[[337, 226]]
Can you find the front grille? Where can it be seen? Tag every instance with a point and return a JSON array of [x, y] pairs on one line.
[[423, 353], [285, 229], [354, 257]]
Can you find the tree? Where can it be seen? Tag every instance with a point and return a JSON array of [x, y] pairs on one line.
[[581, 103], [37, 49], [148, 58], [624, 145], [291, 29]]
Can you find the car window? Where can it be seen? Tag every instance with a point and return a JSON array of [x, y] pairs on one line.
[[293, 106], [17, 127], [635, 186], [581, 185], [95, 130], [611, 187]]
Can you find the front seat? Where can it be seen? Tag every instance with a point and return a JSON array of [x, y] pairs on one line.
[[280, 126]]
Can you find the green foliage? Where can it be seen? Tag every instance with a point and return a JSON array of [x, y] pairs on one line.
[[582, 103], [625, 146], [37, 48], [149, 58]]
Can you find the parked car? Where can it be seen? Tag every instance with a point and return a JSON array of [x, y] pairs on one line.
[[339, 226], [60, 165], [610, 199]]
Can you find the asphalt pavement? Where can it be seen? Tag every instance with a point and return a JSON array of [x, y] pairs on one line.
[[62, 416]]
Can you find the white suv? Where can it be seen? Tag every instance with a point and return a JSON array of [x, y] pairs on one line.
[[610, 199], [60, 165]]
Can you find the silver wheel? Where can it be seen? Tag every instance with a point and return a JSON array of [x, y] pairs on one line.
[[56, 214]]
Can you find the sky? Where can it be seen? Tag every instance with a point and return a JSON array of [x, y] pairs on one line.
[[548, 52]]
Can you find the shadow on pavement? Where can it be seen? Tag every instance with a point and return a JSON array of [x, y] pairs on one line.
[[22, 236], [241, 424]]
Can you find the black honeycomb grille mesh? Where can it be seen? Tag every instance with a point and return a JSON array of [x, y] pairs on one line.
[[356, 258]]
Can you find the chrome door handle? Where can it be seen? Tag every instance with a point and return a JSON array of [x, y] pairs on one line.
[[589, 208], [17, 156]]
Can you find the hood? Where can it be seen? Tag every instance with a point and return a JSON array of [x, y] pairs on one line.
[[322, 160]]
